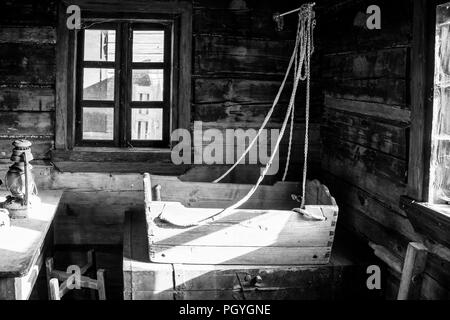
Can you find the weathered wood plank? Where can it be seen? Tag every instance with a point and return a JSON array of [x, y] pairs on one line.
[[236, 90], [28, 12], [27, 99], [390, 63], [385, 91], [228, 55], [413, 267], [372, 109], [27, 64], [240, 255], [420, 72], [244, 23], [38, 35], [374, 172], [31, 124], [343, 28], [432, 290], [369, 160], [40, 148], [380, 135], [252, 113], [370, 230]]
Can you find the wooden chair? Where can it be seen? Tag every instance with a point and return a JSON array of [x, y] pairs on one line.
[[74, 280], [410, 270]]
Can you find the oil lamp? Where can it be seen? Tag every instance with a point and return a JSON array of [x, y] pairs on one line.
[[20, 183]]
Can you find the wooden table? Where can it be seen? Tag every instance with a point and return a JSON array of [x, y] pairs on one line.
[[23, 246]]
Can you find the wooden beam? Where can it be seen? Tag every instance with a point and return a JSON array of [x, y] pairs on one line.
[[418, 89], [387, 257], [62, 60], [413, 267]]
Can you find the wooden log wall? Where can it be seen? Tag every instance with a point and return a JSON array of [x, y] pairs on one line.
[[239, 61], [27, 66], [365, 128]]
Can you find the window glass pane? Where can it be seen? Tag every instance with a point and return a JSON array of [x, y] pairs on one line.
[[148, 46], [147, 85], [98, 123], [98, 84], [99, 45], [147, 124]]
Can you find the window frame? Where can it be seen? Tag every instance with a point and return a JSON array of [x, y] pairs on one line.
[[179, 12], [428, 219], [123, 68], [422, 93]]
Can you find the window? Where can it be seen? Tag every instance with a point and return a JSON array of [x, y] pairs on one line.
[[123, 77], [439, 186], [123, 80], [426, 203]]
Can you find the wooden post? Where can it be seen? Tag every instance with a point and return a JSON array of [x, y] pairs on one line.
[[413, 267], [49, 270], [147, 189], [158, 192]]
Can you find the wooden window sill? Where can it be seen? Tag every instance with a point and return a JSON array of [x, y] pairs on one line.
[[432, 220], [116, 160]]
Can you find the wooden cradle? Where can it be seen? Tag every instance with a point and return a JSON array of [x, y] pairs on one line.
[[255, 234]]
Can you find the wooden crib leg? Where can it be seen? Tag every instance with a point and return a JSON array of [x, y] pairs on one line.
[[101, 284], [54, 289], [49, 269]]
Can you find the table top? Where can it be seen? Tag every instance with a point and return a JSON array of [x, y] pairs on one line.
[[21, 244]]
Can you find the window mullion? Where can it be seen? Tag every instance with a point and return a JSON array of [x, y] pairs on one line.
[[124, 97]]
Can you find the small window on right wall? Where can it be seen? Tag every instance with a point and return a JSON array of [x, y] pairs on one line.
[[439, 187]]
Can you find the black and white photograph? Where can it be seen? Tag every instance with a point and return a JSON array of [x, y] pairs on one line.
[[231, 154]]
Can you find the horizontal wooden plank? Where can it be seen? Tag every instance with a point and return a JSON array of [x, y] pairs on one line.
[[40, 147], [110, 155], [374, 172], [247, 228], [232, 113], [379, 110], [369, 160], [156, 167], [380, 135], [16, 124], [236, 90], [28, 12], [27, 99], [228, 55], [385, 91], [244, 23], [370, 230], [38, 35], [378, 211], [433, 290], [27, 64], [390, 63], [239, 255], [342, 27], [199, 277]]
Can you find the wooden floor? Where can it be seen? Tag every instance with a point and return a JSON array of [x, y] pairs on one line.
[[343, 278]]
